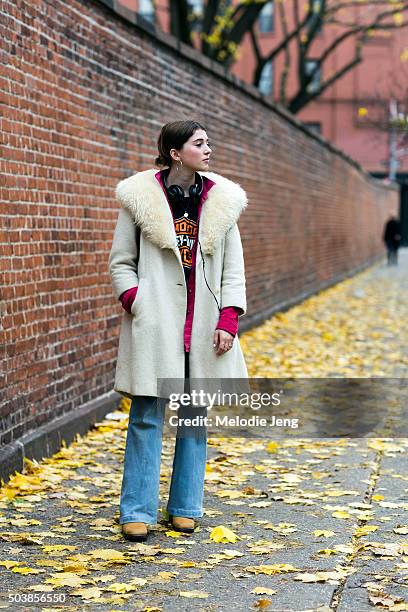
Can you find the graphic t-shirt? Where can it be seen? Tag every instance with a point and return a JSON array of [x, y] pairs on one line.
[[186, 227]]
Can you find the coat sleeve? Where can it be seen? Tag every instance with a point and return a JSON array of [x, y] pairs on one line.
[[233, 292], [123, 253]]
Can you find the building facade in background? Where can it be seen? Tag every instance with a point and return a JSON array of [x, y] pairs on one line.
[[344, 112]]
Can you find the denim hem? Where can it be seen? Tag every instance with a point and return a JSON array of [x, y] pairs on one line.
[[142, 518], [185, 513]]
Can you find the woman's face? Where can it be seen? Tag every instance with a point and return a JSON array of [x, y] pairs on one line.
[[195, 152]]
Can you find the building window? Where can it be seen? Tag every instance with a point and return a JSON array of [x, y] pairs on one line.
[[146, 10], [314, 126], [196, 6], [195, 13], [314, 84], [266, 80], [266, 19]]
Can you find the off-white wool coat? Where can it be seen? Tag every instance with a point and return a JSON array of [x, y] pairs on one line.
[[151, 340]]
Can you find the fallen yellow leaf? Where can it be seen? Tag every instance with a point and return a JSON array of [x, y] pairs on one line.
[[108, 554], [327, 552], [276, 568], [341, 514], [321, 533], [223, 534], [50, 548], [26, 570], [90, 593], [120, 587], [263, 591], [365, 530], [8, 564], [174, 534]]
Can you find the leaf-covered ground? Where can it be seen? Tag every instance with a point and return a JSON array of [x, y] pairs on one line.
[[294, 524]]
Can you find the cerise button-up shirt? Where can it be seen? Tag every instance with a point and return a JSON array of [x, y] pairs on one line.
[[228, 319]]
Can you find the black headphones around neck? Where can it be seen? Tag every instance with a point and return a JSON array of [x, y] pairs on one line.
[[176, 193]]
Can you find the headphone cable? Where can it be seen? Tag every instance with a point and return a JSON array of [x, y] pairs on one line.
[[202, 257]]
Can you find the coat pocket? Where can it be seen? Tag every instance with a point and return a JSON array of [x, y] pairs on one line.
[[139, 295]]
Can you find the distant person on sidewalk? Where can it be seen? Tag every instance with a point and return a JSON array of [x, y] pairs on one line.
[[392, 239], [180, 277]]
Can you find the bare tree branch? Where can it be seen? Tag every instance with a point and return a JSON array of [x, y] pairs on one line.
[[285, 42], [255, 45], [356, 30], [224, 26], [248, 17], [340, 6], [285, 71], [240, 21], [304, 97], [314, 22]]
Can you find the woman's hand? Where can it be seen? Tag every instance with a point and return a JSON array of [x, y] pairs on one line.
[[222, 341]]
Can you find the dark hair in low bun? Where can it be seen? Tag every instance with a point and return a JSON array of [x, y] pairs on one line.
[[173, 136]]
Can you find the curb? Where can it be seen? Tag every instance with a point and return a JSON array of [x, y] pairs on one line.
[[47, 439]]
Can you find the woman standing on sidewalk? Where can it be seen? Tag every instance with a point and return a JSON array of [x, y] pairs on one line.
[[177, 267]]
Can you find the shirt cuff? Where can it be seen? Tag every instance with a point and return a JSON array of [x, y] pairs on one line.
[[127, 298], [228, 320]]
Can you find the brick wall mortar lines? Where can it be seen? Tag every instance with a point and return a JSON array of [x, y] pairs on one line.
[[84, 94]]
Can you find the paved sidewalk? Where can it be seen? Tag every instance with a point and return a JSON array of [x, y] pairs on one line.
[[320, 524]]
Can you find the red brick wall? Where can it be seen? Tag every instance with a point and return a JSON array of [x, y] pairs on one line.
[[85, 94]]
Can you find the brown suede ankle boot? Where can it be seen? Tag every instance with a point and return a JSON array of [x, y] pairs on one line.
[[135, 532], [181, 523]]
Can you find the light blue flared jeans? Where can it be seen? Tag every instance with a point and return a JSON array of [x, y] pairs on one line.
[[139, 499]]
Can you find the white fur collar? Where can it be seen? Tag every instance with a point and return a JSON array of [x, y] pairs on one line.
[[143, 196]]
